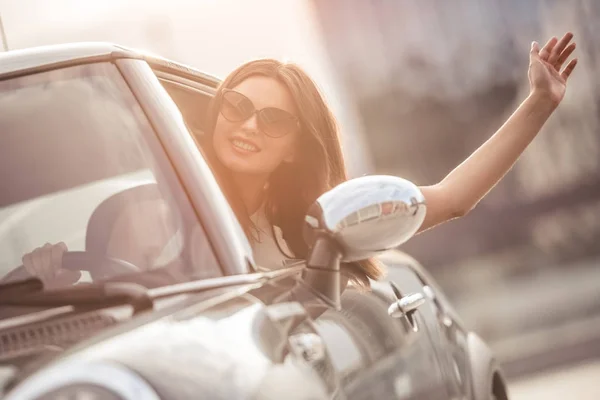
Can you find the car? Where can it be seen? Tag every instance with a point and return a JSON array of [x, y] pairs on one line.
[[163, 299]]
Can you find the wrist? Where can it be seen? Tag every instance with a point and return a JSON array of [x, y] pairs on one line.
[[543, 99]]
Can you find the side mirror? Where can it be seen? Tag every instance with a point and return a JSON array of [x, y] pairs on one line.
[[358, 219]]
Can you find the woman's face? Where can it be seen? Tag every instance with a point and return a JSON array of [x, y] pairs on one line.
[[243, 147]]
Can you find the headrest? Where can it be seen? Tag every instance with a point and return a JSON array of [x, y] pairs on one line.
[[102, 221]]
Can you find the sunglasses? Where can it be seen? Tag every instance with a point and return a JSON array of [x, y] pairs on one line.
[[274, 122]]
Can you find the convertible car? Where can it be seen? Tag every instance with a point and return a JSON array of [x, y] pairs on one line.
[[164, 300]]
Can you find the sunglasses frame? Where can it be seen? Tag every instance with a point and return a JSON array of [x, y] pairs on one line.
[[261, 123]]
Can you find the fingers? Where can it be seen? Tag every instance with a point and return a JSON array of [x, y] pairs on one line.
[[545, 52], [57, 255], [563, 56], [569, 69], [44, 262], [28, 263], [556, 52], [558, 49]]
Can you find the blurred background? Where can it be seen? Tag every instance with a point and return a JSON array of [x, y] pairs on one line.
[[416, 87]]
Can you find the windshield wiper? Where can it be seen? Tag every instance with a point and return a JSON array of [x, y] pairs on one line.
[[107, 294], [19, 287], [102, 294]]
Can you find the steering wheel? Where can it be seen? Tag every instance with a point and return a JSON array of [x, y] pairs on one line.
[[99, 266]]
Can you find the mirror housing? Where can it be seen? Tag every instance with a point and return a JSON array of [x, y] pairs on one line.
[[356, 220], [367, 215]]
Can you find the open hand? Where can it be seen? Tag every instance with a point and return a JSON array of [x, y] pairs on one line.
[[545, 76]]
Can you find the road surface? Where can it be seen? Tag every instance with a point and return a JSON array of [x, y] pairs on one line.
[[579, 381]]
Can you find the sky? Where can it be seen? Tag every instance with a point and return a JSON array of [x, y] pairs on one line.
[[212, 35], [196, 26]]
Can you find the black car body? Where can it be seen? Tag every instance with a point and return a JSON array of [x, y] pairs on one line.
[[213, 327]]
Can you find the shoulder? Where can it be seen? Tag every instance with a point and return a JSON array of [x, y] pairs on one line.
[[270, 250]]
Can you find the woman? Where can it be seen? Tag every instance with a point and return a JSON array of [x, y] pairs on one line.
[[273, 145], [275, 162]]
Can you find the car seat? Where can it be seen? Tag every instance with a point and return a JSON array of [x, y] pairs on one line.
[[102, 220]]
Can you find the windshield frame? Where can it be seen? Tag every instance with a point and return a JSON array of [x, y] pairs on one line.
[[162, 116], [225, 235]]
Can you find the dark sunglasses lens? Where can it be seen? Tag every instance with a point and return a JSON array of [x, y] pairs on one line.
[[236, 107], [277, 122]]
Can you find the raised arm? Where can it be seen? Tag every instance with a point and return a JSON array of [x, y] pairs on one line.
[[467, 184]]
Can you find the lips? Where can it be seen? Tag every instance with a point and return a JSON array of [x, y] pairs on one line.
[[244, 145]]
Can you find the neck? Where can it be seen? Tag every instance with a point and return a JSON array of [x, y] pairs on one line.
[[251, 190]]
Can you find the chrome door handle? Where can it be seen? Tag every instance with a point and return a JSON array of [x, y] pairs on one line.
[[406, 306]]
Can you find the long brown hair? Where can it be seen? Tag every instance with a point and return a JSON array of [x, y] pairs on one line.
[[293, 187]]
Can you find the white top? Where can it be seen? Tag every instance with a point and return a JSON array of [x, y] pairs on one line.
[[265, 251]]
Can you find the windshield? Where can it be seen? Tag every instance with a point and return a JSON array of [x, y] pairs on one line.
[[82, 170]]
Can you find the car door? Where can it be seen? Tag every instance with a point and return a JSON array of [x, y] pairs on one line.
[[377, 356], [451, 334], [443, 336]]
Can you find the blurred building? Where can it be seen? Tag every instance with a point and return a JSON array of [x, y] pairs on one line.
[[433, 80]]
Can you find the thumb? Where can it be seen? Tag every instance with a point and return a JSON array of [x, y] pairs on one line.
[[66, 277], [535, 50]]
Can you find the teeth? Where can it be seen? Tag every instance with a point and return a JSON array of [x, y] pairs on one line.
[[244, 145]]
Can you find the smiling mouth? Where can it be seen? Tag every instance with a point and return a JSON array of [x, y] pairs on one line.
[[244, 146]]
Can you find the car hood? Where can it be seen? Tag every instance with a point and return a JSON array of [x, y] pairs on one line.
[[226, 347]]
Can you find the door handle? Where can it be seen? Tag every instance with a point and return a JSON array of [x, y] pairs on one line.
[[405, 306]]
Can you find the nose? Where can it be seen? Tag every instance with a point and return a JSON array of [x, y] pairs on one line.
[[250, 125]]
